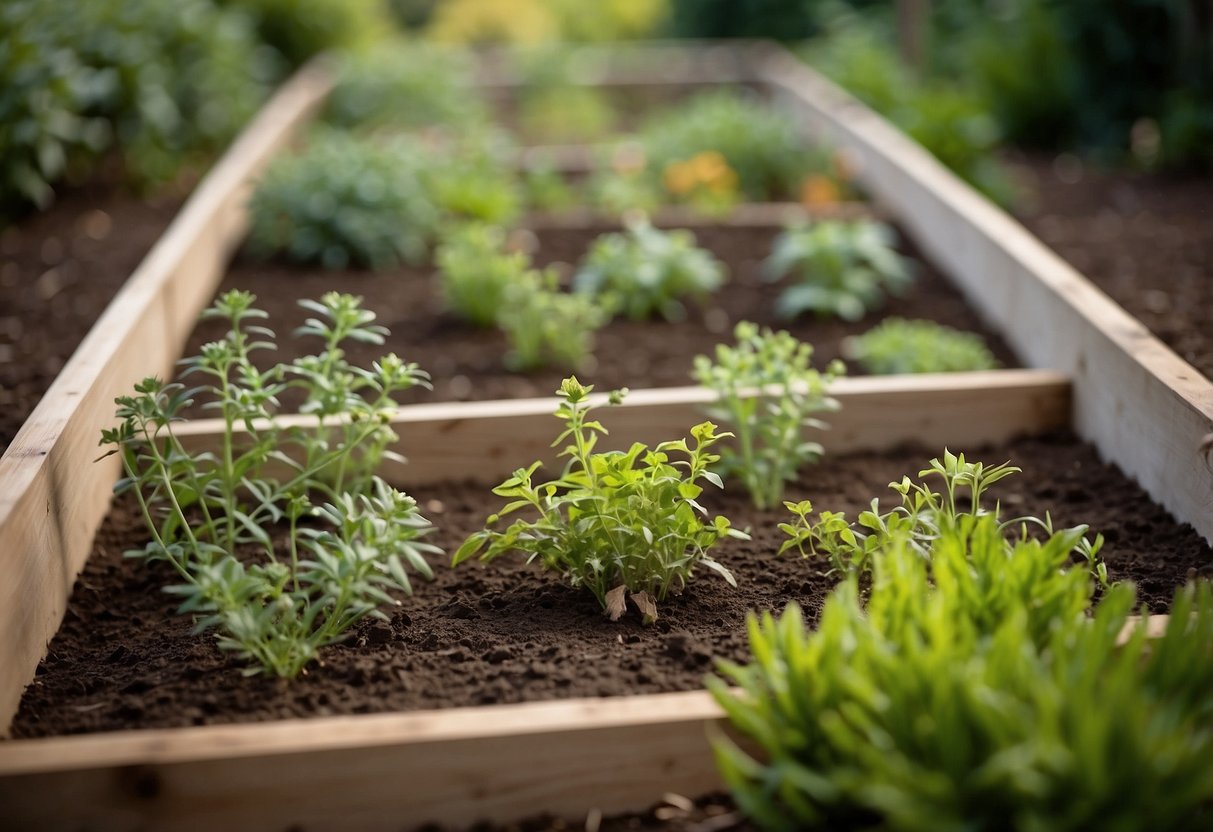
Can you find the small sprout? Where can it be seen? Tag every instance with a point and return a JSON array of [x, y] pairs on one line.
[[621, 524], [545, 326], [767, 392], [840, 268], [898, 346], [476, 272]]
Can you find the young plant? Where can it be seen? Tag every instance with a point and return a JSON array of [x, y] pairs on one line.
[[897, 346], [345, 201], [476, 272], [565, 114], [615, 522], [976, 689], [767, 392], [545, 326], [621, 192], [841, 268], [282, 537], [924, 514], [545, 189], [472, 179], [645, 271]]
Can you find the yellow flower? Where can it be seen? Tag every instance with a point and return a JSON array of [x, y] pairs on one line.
[[679, 178]]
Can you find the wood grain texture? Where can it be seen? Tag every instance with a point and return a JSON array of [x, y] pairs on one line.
[[383, 772], [52, 494], [1141, 405], [486, 441]]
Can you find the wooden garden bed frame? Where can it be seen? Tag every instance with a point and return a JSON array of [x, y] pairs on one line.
[[1121, 389]]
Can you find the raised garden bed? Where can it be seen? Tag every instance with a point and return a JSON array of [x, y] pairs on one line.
[[505, 761]]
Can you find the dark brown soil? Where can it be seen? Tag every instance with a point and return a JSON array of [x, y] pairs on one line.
[[466, 363], [1145, 239], [711, 813], [60, 268], [505, 632]]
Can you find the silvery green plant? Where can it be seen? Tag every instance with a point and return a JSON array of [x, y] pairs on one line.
[[647, 271], [767, 392], [282, 537], [837, 267]]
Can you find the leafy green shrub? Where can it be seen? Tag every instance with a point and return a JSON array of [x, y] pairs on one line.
[[615, 522], [165, 82], [645, 270], [767, 392], [761, 144], [620, 192], [405, 85], [299, 29], [345, 201], [206, 512], [545, 189], [476, 272], [842, 268], [978, 690], [897, 346], [924, 514], [545, 326]]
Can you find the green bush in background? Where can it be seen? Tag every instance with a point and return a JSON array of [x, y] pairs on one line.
[[299, 29]]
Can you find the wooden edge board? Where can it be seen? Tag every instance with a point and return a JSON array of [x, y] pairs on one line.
[[745, 215], [486, 441], [51, 496], [376, 772], [1141, 405]]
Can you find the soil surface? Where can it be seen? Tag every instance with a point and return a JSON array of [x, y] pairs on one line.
[[506, 632], [711, 813], [466, 363], [60, 269], [1145, 239]]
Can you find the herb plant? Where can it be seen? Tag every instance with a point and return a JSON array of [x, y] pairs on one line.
[[976, 689], [645, 271], [283, 538], [924, 514], [345, 201], [621, 192], [767, 392], [840, 268], [476, 272], [545, 326], [898, 346], [614, 522], [545, 189], [564, 113], [472, 179]]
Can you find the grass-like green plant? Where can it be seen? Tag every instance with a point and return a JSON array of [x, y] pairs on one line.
[[767, 392], [476, 272], [976, 689], [405, 85], [473, 178], [762, 145], [345, 201], [897, 346], [278, 564], [614, 522], [645, 270], [924, 514], [840, 268], [548, 327]]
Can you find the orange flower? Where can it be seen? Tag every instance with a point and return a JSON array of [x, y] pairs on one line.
[[679, 178], [818, 190]]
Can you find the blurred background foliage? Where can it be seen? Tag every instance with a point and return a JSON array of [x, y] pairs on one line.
[[160, 85]]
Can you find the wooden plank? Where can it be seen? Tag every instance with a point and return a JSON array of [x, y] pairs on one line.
[[745, 215], [51, 496], [383, 772], [1141, 405], [486, 441]]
